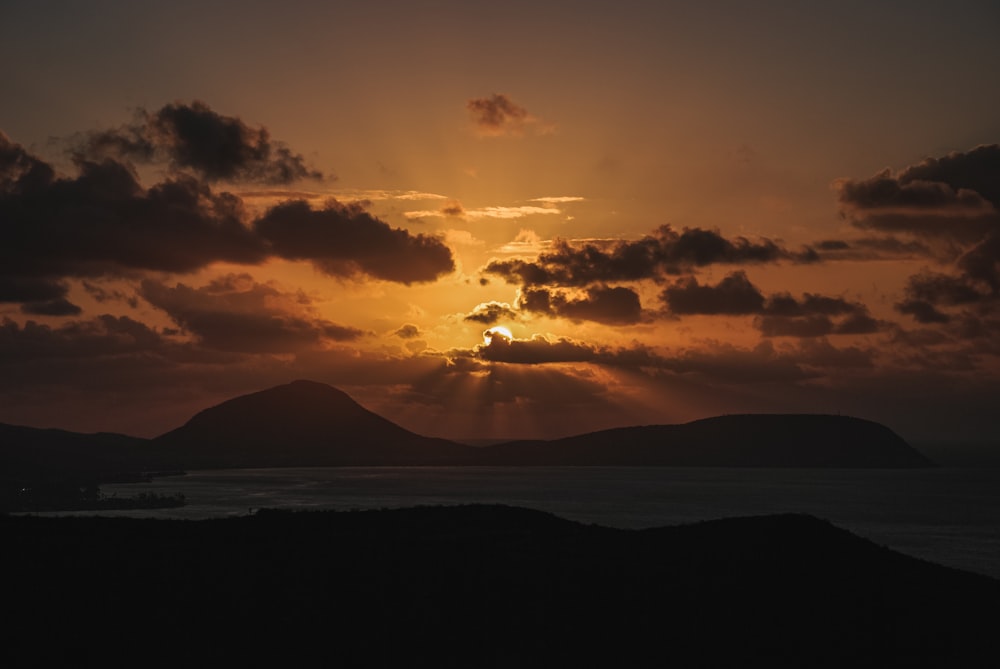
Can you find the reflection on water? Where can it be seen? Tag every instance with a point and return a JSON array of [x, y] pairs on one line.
[[950, 516]]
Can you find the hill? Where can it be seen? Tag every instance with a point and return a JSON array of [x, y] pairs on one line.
[[750, 440], [309, 424], [300, 424], [482, 586], [34, 452]]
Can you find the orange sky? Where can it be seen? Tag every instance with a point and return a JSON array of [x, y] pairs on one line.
[[676, 211]]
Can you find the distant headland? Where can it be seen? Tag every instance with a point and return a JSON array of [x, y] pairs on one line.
[[306, 424]]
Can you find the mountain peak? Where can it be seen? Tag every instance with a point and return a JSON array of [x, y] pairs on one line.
[[299, 423]]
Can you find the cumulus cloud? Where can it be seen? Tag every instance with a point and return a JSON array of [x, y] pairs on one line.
[[497, 115], [407, 331], [955, 197], [193, 137], [489, 313], [665, 252], [778, 315], [345, 240], [733, 295], [615, 305], [235, 313], [101, 222]]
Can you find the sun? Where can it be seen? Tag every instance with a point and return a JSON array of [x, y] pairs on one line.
[[500, 330]]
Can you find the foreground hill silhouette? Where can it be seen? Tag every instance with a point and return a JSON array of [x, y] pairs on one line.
[[480, 586]]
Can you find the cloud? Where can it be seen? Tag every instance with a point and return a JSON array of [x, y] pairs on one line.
[[30, 289], [558, 199], [345, 240], [407, 331], [193, 137], [872, 248], [955, 197], [489, 313], [733, 295], [454, 208], [57, 307], [498, 115], [665, 252], [779, 315], [235, 313], [602, 304], [953, 202], [101, 222]]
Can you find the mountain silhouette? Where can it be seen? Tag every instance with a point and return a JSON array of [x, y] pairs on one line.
[[306, 424], [30, 451], [303, 423], [747, 440]]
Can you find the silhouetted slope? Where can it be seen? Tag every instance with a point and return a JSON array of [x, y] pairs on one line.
[[302, 423], [481, 587], [29, 452], [305, 423], [751, 440]]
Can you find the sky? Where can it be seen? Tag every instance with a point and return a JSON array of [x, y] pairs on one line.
[[667, 210]]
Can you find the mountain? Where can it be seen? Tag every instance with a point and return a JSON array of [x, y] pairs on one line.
[[300, 424], [749, 440], [29, 452], [305, 424]]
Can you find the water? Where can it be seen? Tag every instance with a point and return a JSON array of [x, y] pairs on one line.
[[950, 516]]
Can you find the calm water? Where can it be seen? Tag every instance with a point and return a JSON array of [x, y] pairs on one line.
[[947, 515]]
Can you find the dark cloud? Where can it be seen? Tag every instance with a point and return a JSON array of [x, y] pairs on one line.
[[601, 304], [98, 338], [499, 115], [101, 222], [953, 201], [728, 364], [922, 311], [955, 197], [534, 351], [102, 294], [194, 137], [665, 252], [779, 315], [407, 331], [976, 170], [345, 240], [884, 190], [872, 248], [30, 289], [489, 313], [57, 307], [733, 295], [235, 313], [783, 304], [803, 326]]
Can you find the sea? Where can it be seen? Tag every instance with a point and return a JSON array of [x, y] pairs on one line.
[[946, 515]]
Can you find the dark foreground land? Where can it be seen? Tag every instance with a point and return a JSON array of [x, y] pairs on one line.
[[478, 586]]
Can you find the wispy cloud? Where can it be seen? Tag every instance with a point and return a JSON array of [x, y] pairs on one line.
[[498, 116]]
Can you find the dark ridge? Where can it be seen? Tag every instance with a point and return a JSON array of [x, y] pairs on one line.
[[305, 424], [747, 440], [480, 586], [302, 423], [37, 452]]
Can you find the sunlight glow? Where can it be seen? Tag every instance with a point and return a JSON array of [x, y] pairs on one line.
[[497, 330]]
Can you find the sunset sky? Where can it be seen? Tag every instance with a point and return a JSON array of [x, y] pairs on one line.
[[671, 210]]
